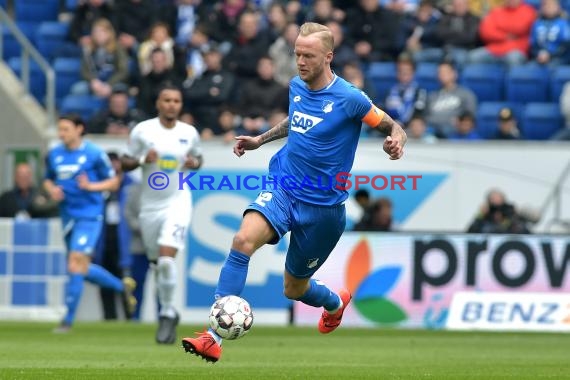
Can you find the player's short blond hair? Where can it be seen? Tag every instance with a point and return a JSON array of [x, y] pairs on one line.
[[322, 31]]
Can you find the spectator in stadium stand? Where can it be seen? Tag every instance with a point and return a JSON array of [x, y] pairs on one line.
[[447, 103], [373, 31], [25, 200], [418, 33], [182, 17], [343, 52], [323, 11], [277, 21], [104, 62], [151, 82], [159, 38], [505, 32], [564, 134], [550, 35], [248, 45], [225, 127], [134, 17], [283, 55], [259, 97], [465, 128], [507, 125], [459, 32], [406, 98], [497, 216], [211, 90], [417, 130], [195, 64], [222, 22], [85, 15], [352, 72], [117, 118]]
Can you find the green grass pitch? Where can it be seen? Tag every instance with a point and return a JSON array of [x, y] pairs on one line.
[[119, 350]]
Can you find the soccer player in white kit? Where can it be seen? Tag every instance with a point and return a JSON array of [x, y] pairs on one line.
[[164, 147]]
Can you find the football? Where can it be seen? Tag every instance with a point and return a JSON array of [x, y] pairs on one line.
[[231, 317]]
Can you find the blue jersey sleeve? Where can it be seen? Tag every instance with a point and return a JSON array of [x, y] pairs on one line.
[[357, 104], [50, 172], [103, 167]]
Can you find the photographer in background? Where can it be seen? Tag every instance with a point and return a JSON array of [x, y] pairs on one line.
[[497, 216]]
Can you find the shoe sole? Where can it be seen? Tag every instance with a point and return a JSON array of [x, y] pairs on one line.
[[189, 347]]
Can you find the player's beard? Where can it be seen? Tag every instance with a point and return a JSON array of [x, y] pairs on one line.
[[312, 75]]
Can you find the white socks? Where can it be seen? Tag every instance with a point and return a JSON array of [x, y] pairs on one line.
[[166, 283]]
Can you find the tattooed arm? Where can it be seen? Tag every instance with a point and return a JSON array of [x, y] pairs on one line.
[[396, 137], [278, 131], [244, 143]]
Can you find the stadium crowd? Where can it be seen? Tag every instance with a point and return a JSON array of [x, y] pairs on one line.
[[445, 69]]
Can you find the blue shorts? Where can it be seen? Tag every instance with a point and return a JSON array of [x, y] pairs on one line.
[[315, 229], [82, 235]]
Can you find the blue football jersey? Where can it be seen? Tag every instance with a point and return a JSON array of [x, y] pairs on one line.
[[324, 127], [64, 165]]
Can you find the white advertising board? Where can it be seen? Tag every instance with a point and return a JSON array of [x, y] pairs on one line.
[[505, 311]]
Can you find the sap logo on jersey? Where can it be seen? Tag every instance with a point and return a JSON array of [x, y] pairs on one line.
[[301, 122]]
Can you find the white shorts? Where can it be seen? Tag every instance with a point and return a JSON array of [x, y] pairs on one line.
[[167, 227]]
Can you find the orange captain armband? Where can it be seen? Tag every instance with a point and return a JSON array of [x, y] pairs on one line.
[[373, 117]]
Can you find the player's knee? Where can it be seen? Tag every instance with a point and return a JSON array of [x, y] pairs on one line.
[[293, 291], [243, 243], [77, 263]]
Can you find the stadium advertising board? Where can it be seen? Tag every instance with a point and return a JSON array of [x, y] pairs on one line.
[[410, 280], [505, 311]]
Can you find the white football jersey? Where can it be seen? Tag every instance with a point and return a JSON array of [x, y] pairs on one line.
[[172, 145]]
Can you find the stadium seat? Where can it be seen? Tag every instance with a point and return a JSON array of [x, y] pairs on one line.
[[11, 47], [36, 10], [485, 80], [541, 120], [527, 83], [426, 76], [383, 76], [37, 77], [50, 37], [488, 116], [84, 105], [67, 72], [558, 78], [70, 5]]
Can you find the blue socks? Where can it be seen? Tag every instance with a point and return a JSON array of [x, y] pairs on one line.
[[232, 280], [102, 277], [233, 275], [319, 295], [73, 291]]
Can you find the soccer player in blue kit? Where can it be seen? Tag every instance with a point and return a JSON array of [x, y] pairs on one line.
[[323, 126], [77, 174]]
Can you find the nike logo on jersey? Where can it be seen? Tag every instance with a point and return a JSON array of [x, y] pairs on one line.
[[301, 122], [297, 99]]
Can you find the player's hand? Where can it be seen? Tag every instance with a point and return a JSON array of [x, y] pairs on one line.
[[244, 143], [83, 182], [191, 162], [393, 147], [151, 156], [56, 193]]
